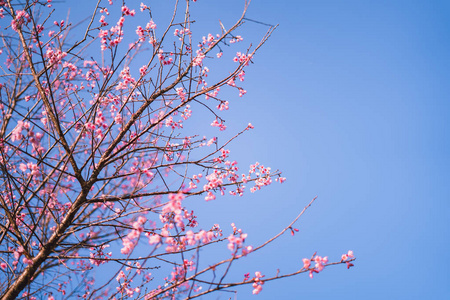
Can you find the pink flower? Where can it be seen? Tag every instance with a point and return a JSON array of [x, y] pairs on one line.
[[118, 119], [210, 196], [211, 141], [21, 18], [306, 263], [181, 93], [257, 289], [223, 105], [320, 262], [197, 61], [150, 25], [258, 283], [23, 167], [27, 261], [349, 255], [154, 239], [16, 134], [312, 272], [127, 12], [280, 179], [221, 126], [231, 82]]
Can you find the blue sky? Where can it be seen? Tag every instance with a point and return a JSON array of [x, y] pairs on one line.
[[350, 99]]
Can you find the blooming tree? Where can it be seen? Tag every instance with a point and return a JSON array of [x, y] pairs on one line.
[[96, 169]]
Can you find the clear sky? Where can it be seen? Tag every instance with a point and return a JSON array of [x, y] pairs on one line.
[[350, 99]]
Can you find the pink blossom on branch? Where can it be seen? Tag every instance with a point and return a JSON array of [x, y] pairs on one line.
[[103, 161]]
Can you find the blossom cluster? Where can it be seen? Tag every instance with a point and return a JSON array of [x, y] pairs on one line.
[[99, 163], [257, 283], [321, 262]]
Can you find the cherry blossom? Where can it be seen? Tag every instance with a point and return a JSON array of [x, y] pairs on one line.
[[105, 160]]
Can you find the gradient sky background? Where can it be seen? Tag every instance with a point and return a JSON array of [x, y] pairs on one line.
[[350, 99]]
